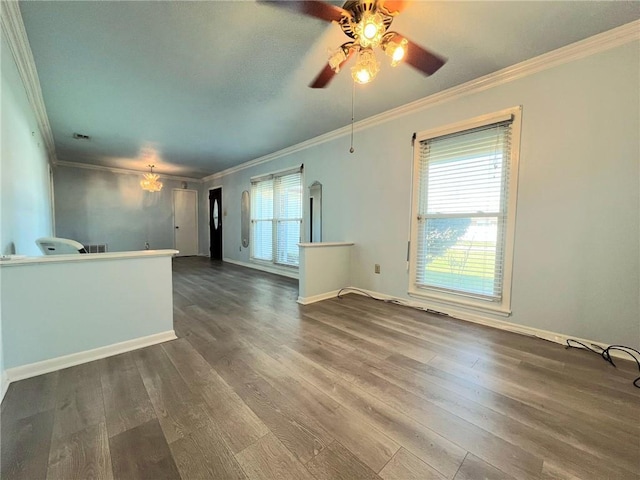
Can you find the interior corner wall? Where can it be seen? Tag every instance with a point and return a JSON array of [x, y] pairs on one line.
[[105, 207], [25, 187], [25, 193], [577, 250]]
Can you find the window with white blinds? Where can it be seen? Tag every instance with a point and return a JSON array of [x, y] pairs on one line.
[[463, 219], [276, 218], [262, 220]]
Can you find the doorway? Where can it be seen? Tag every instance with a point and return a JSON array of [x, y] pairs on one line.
[[185, 222], [215, 223]]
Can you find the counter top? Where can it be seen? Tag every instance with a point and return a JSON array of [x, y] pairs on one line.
[[84, 257]]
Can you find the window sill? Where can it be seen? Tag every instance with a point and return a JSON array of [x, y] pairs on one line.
[[444, 301]]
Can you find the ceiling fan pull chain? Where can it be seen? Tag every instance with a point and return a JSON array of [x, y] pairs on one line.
[[353, 94]]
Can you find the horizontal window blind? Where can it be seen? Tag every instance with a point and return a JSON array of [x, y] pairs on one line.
[[262, 219], [276, 217], [462, 211], [288, 191]]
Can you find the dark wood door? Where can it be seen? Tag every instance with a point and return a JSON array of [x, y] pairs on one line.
[[215, 223]]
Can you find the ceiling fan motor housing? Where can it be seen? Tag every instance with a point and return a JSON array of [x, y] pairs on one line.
[[366, 23], [358, 9]]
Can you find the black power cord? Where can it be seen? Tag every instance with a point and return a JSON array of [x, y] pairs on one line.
[[605, 353], [597, 349]]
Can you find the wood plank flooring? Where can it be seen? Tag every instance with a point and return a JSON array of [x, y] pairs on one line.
[[259, 387]]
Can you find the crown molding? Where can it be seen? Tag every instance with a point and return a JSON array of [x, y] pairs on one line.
[[575, 51], [122, 171], [13, 27], [16, 35]]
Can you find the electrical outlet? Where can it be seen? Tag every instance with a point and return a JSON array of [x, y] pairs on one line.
[[376, 268]]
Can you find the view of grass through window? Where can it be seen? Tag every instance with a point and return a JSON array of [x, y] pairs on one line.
[[461, 218], [462, 254]]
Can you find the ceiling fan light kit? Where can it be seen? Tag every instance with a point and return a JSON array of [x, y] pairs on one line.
[[369, 29], [366, 68], [366, 23], [338, 57], [396, 50]]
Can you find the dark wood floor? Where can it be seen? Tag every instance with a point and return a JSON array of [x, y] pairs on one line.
[[260, 387]]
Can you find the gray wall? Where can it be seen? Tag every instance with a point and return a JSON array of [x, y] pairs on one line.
[[25, 197], [577, 254], [99, 206]]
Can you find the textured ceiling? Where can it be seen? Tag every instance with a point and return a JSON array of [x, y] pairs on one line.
[[204, 86]]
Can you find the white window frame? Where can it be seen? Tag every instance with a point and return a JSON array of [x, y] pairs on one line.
[[446, 299], [274, 220]]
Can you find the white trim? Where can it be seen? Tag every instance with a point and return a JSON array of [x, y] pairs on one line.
[[575, 51], [264, 268], [86, 257], [52, 199], [459, 301], [278, 173], [58, 363], [16, 35], [317, 298], [548, 335], [496, 117], [4, 384], [123, 171], [13, 26]]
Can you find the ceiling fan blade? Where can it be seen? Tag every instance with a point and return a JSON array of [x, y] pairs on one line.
[[323, 78], [313, 8], [421, 59], [327, 73], [393, 6]]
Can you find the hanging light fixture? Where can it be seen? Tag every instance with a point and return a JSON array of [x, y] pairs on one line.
[[338, 57], [151, 181], [396, 50], [367, 66], [370, 29], [367, 23]]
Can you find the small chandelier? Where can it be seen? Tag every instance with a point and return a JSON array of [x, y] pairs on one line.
[[151, 181]]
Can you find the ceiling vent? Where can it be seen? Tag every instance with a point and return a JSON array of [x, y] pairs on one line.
[[80, 136]]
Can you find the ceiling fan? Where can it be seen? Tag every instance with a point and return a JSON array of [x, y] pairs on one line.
[[366, 23]]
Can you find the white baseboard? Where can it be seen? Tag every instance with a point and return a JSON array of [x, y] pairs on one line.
[[263, 268], [38, 368], [4, 384], [317, 298], [554, 337]]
